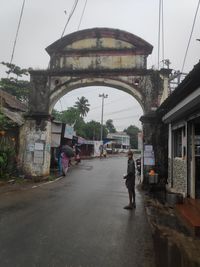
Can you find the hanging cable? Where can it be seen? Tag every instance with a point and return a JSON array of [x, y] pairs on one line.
[[68, 20], [16, 36], [163, 37], [82, 15], [70, 15], [186, 52], [159, 22]]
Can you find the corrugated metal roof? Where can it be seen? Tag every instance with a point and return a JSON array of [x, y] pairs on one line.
[[11, 101], [14, 116]]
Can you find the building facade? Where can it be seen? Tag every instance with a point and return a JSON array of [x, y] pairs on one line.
[[182, 115], [121, 140]]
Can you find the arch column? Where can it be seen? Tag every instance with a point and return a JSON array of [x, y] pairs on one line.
[[35, 134], [35, 147], [155, 134]]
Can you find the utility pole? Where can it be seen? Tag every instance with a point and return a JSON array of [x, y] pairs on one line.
[[103, 97]]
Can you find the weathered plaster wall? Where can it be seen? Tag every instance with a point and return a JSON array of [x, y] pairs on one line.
[[97, 61], [35, 146], [99, 43], [179, 176]]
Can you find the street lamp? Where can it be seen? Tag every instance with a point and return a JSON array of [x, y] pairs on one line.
[[103, 96]]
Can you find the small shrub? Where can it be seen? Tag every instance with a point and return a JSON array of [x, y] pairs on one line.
[[7, 157]]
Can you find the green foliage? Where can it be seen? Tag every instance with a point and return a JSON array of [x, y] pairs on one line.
[[82, 105], [7, 157], [133, 130], [93, 130], [57, 115], [110, 126], [13, 69], [70, 116], [14, 86]]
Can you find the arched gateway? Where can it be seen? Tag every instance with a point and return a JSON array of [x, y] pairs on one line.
[[99, 56]]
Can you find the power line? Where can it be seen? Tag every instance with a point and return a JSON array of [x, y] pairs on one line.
[[121, 110], [70, 16], [68, 20], [123, 118], [108, 103], [186, 52], [163, 39], [161, 32], [159, 20], [82, 15], [18, 27]]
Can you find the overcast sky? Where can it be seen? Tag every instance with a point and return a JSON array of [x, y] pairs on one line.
[[43, 22]]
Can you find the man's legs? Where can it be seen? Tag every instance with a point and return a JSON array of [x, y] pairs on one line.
[[131, 204], [133, 194], [130, 193]]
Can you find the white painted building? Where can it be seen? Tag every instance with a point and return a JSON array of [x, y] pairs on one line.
[[121, 140]]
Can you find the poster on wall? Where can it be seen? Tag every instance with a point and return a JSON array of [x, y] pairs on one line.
[[149, 158], [69, 132], [55, 140], [38, 157]]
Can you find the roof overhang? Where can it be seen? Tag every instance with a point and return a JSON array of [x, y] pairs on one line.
[[183, 108]]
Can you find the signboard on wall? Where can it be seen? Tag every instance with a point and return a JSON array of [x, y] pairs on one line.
[[55, 140], [69, 132], [56, 127], [149, 158]]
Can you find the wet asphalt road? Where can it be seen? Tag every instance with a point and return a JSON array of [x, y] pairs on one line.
[[78, 221]]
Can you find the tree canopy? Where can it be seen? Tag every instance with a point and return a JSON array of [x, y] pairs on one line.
[[13, 85], [110, 126], [82, 105], [133, 130]]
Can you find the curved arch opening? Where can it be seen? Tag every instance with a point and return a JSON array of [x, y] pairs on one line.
[[63, 88], [119, 106]]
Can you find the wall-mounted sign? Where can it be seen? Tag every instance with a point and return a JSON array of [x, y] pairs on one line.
[[69, 132], [38, 157], [148, 148], [39, 146], [149, 158]]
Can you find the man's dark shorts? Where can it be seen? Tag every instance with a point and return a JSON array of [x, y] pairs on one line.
[[130, 184]]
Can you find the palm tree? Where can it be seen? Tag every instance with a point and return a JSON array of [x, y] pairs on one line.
[[82, 105]]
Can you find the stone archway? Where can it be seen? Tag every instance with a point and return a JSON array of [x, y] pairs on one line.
[[98, 56]]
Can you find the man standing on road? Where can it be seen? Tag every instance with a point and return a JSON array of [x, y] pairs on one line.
[[130, 181]]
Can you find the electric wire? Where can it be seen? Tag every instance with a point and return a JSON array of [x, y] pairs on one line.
[[68, 20], [17, 33], [124, 118], [70, 16], [118, 118], [186, 52], [163, 37], [119, 111], [82, 14], [159, 23]]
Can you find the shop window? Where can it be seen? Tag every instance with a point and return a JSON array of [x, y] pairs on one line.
[[178, 143]]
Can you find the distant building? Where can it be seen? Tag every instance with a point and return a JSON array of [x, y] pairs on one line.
[[120, 141]]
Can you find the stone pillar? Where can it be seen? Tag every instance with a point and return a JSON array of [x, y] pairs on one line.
[[35, 147], [155, 133]]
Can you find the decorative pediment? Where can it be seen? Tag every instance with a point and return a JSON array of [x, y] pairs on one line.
[[100, 39]]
